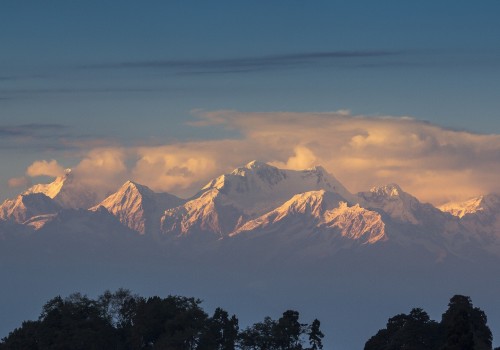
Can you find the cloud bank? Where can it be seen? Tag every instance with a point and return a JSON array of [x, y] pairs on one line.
[[434, 163]]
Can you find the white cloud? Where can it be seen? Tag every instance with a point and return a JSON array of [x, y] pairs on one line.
[[104, 169], [303, 158], [184, 168], [433, 163], [45, 168]]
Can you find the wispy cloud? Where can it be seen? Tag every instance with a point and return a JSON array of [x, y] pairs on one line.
[[30, 130], [11, 89], [123, 91], [48, 137], [360, 59], [254, 63], [34, 136], [78, 90]]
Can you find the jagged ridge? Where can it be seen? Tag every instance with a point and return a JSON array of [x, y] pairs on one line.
[[260, 200], [138, 207]]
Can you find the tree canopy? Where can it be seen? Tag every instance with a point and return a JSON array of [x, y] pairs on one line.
[[121, 320], [462, 327], [124, 321]]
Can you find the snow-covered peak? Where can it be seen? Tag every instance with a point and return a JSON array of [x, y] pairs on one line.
[[248, 192], [130, 183], [129, 194], [390, 190], [313, 202], [259, 187], [393, 201], [255, 164], [26, 206], [482, 204], [481, 218], [260, 175], [133, 188], [388, 193], [319, 214], [51, 189], [67, 191], [318, 169], [138, 207]]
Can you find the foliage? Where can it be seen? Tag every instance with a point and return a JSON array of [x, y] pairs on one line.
[[221, 332], [413, 331], [72, 323], [124, 321], [315, 336], [465, 326], [285, 334], [462, 327]]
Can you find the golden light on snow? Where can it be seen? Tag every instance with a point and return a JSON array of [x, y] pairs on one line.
[[433, 163]]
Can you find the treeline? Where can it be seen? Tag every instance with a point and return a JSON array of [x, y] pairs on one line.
[[123, 321], [462, 327]]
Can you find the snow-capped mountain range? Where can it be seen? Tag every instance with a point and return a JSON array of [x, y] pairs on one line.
[[308, 210]]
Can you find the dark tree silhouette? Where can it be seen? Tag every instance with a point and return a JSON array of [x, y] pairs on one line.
[[285, 334], [287, 331], [413, 331], [123, 321], [259, 336], [73, 323], [25, 337], [315, 336], [118, 307], [221, 332], [170, 323], [465, 326]]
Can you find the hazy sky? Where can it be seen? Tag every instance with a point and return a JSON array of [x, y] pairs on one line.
[[173, 92]]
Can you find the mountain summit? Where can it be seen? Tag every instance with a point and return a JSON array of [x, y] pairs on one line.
[[258, 187], [67, 191], [27, 206], [398, 204], [230, 200], [138, 207], [483, 204], [480, 217]]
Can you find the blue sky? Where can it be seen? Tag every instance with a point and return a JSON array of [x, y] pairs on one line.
[[75, 75]]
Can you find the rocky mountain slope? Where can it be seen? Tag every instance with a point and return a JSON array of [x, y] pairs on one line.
[[138, 207]]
